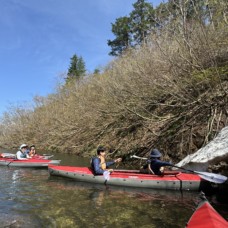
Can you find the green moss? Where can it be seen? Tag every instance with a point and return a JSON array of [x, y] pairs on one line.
[[212, 74]]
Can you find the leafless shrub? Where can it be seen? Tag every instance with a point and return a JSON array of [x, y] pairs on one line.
[[169, 93]]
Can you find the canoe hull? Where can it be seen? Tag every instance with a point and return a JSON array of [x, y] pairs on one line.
[[30, 163], [206, 216], [175, 181]]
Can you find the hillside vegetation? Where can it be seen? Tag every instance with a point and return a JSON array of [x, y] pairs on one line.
[[169, 93]]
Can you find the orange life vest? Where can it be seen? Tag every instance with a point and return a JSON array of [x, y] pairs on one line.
[[103, 163]]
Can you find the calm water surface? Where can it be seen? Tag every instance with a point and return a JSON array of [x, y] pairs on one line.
[[31, 198]]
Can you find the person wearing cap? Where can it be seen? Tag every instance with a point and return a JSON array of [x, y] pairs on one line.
[[154, 164], [99, 165], [21, 154]]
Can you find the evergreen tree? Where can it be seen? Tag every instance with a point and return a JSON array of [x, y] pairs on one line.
[[142, 20], [131, 31], [96, 71], [76, 69], [122, 30]]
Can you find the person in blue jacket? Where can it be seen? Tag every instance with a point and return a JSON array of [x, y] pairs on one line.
[[99, 165], [154, 164]]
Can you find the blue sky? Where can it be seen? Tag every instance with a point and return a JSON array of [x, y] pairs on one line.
[[38, 38]]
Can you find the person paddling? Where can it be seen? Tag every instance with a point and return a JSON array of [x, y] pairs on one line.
[[99, 165], [154, 164], [21, 154]]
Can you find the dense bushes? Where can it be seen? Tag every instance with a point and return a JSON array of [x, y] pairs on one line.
[[170, 93]]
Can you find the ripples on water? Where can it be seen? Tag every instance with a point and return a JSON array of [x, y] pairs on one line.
[[30, 198]]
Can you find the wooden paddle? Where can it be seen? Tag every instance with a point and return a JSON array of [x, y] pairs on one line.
[[212, 177]]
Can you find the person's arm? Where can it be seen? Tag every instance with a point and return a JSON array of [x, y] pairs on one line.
[[18, 156], [96, 166], [149, 169], [28, 156], [146, 166], [162, 163], [113, 162], [110, 163]]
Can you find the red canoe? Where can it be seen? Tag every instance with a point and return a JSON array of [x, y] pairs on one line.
[[29, 163], [205, 216], [171, 180], [37, 156]]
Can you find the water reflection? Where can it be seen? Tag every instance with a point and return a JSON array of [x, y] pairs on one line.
[[97, 197], [115, 206], [31, 198]]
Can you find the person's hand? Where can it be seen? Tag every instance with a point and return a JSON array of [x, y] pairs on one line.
[[110, 170], [118, 160], [162, 169]]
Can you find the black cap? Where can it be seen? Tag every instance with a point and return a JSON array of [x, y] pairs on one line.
[[100, 149]]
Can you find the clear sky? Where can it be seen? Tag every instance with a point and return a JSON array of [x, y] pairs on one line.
[[38, 38]]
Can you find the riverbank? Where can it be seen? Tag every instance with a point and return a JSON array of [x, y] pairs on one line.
[[169, 93]]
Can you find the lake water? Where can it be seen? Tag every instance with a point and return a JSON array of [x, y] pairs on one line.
[[31, 198]]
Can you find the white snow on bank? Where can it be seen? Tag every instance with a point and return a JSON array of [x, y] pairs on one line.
[[215, 151]]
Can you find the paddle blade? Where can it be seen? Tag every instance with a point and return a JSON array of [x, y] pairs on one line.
[[106, 175], [212, 177]]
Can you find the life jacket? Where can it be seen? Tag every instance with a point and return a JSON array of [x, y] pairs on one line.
[[102, 162], [22, 155]]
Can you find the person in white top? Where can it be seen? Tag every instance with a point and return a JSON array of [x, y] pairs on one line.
[[21, 154]]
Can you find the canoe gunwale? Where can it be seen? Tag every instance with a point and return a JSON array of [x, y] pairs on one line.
[[129, 180], [30, 163]]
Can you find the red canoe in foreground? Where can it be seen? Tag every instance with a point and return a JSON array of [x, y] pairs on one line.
[[171, 180], [205, 216]]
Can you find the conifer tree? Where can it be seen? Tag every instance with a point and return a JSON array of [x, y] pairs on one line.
[[77, 68], [142, 20], [122, 30], [131, 31]]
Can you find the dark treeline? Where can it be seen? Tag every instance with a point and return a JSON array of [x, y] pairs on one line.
[[167, 88]]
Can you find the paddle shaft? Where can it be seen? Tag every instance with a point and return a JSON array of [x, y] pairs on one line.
[[9, 164], [189, 170], [143, 158], [212, 177], [134, 156]]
